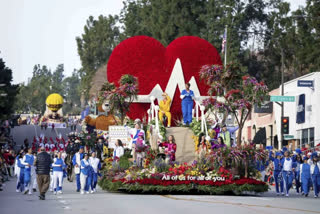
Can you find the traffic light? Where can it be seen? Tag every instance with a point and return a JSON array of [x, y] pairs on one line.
[[285, 125]]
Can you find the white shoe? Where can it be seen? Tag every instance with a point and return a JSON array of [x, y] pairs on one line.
[[54, 192], [94, 190], [91, 192], [82, 192], [282, 194], [87, 192], [59, 192], [51, 190], [287, 195], [17, 190]]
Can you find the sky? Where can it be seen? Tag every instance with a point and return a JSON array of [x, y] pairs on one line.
[[43, 32]]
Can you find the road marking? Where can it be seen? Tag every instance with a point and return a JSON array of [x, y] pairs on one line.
[[237, 204]]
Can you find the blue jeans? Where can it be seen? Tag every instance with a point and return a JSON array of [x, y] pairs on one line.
[[278, 181], [187, 107], [316, 184], [287, 180]]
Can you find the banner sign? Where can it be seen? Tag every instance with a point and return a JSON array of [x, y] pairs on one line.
[[121, 133], [264, 108], [301, 109], [305, 83]]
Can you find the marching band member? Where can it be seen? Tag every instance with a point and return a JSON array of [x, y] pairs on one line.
[[19, 170], [277, 172], [96, 166], [46, 144], [287, 171], [315, 174], [296, 165], [85, 170], [76, 161], [134, 133], [41, 143], [52, 145], [305, 177], [57, 168], [28, 161], [34, 175]]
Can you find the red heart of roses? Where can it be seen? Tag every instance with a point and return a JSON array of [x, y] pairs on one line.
[[147, 59]]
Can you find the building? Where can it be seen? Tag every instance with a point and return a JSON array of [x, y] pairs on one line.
[[303, 114], [260, 126]]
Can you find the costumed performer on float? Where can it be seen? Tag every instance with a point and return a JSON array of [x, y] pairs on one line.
[[187, 97], [164, 106], [134, 134]]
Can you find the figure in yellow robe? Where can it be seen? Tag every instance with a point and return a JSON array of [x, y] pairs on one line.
[[164, 106]]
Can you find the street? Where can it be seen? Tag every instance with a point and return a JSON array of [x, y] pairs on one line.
[[103, 202], [19, 133]]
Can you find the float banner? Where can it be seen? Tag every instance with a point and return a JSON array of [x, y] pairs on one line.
[[121, 133], [301, 109]]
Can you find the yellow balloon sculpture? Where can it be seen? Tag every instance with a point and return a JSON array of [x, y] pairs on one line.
[[54, 102]]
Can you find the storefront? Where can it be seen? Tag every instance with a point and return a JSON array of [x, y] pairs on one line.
[[303, 113]]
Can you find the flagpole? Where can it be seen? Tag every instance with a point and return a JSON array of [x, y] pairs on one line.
[[225, 46]]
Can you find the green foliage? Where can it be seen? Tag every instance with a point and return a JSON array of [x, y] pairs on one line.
[[95, 45], [8, 91], [195, 127], [121, 97], [124, 163], [107, 184]]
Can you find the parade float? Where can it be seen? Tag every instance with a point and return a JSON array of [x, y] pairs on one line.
[[53, 116], [154, 69]]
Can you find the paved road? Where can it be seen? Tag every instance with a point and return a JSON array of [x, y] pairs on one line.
[[113, 203], [19, 133]]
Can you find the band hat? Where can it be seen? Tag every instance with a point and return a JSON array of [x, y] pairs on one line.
[[305, 158]]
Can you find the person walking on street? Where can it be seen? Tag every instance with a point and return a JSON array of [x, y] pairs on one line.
[[85, 171], [76, 162], [28, 161], [43, 165]]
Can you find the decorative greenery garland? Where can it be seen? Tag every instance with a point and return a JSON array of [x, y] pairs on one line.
[[108, 185]]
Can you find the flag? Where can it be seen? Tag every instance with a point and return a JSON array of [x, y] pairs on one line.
[[224, 41]]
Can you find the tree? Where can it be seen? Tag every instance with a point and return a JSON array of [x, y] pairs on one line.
[[95, 46], [8, 91], [240, 94], [71, 88], [120, 98]]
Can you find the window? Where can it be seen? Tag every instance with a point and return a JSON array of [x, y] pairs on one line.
[[304, 137], [311, 137]]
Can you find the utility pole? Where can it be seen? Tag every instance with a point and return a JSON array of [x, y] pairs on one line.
[[282, 93], [226, 45]]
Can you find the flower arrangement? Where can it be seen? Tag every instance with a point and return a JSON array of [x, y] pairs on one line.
[[211, 175]]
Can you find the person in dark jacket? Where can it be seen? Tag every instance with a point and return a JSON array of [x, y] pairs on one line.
[[43, 163]]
